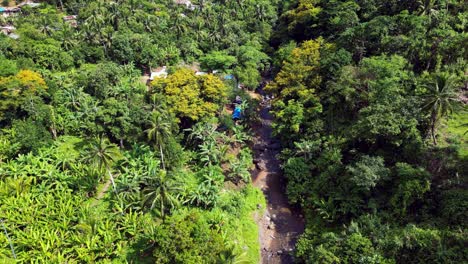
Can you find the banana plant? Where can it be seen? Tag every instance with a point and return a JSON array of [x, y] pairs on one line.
[[240, 135]]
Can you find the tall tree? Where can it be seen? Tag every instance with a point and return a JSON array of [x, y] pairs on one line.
[[103, 155], [159, 131], [440, 99], [161, 190]]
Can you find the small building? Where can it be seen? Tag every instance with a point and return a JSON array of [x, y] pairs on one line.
[[228, 77], [14, 36], [187, 4], [30, 4], [200, 73], [7, 11], [9, 31], [71, 20], [160, 72]]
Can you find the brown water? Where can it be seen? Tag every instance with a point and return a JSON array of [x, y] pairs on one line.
[[281, 224]]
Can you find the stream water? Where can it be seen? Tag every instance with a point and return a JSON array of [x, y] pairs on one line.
[[281, 224]]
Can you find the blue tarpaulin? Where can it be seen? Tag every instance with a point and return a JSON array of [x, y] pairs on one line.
[[228, 77], [237, 113], [2, 9]]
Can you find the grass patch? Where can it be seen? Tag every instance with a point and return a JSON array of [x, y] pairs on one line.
[[242, 228], [456, 132]]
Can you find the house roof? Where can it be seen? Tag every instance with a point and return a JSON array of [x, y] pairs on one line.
[[29, 3], [182, 2], [67, 18], [229, 77], [14, 36], [160, 72], [8, 27]]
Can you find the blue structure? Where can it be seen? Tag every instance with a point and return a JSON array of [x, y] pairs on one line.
[[229, 77], [237, 114]]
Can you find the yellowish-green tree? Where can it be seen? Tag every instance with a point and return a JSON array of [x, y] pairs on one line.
[[190, 96], [294, 88], [15, 90]]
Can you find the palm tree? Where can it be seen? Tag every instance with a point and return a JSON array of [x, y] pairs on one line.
[[161, 191], [67, 34], [425, 7], [198, 26], [102, 155], [113, 15], [179, 25], [307, 148], [440, 100], [44, 25], [149, 22], [159, 131], [261, 12]]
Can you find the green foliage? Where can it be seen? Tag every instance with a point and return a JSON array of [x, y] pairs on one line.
[[17, 90], [295, 169], [29, 135], [7, 67], [102, 155], [382, 85], [417, 244], [457, 132], [413, 183], [368, 171], [76, 118], [359, 88], [440, 98], [283, 53], [299, 19], [217, 60], [210, 181], [160, 192], [189, 96], [250, 61], [238, 208], [161, 126], [51, 57], [239, 169], [198, 240], [368, 241], [453, 206], [69, 229], [296, 105], [98, 80], [331, 248]]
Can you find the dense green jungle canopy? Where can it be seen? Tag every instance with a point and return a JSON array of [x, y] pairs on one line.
[[97, 165]]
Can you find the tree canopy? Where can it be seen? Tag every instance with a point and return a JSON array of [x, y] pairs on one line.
[[99, 165]]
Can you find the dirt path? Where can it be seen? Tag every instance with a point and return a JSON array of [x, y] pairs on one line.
[[281, 224], [103, 190]]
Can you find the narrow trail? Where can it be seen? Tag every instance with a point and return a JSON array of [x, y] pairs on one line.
[[103, 190], [281, 224]]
